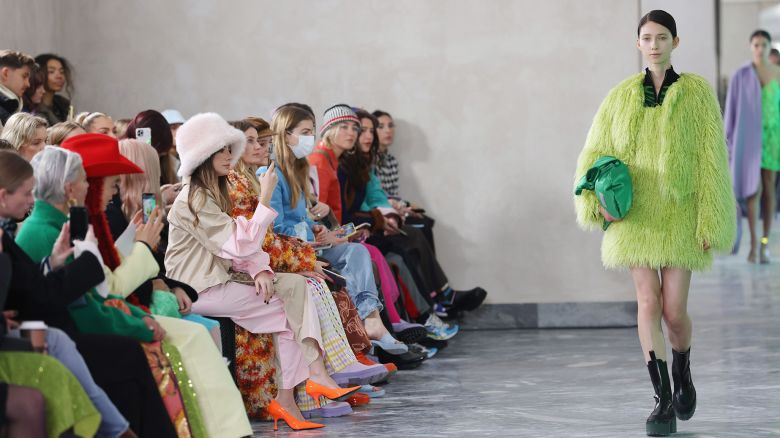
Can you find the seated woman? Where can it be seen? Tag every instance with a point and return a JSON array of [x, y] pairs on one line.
[[62, 131], [340, 130], [99, 312], [162, 141], [163, 296], [361, 193], [289, 255], [293, 128], [97, 123], [54, 107], [27, 134], [386, 169], [34, 296], [222, 259]]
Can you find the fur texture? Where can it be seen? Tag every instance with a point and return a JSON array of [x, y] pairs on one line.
[[203, 135], [677, 157]]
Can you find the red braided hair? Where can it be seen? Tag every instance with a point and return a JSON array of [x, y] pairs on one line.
[[97, 218]]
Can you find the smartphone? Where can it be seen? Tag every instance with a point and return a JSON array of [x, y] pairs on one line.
[[338, 279], [271, 153], [419, 210], [346, 230], [144, 135], [149, 202], [320, 246], [79, 223]]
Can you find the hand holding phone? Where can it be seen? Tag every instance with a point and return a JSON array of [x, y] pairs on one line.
[[149, 202], [337, 278], [79, 223]]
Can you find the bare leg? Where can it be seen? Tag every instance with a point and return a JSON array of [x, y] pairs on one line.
[[286, 398], [768, 199], [374, 326], [752, 214], [674, 289], [649, 306], [26, 413]]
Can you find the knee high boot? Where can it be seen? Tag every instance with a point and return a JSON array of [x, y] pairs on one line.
[[661, 421], [684, 397]]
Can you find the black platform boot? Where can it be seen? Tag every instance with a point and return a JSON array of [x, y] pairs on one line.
[[684, 397], [661, 421]]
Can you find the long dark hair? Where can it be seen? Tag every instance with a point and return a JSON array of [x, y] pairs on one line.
[[357, 166], [43, 60], [204, 178]]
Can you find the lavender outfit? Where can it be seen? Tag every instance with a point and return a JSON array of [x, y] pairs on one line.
[[744, 130]]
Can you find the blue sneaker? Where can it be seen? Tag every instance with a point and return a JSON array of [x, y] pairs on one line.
[[440, 330]]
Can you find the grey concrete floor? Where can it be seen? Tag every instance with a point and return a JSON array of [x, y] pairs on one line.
[[592, 382]]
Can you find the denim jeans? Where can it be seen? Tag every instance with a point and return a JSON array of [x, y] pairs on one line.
[[62, 348], [354, 263]]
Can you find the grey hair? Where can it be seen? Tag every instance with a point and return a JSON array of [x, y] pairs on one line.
[[53, 167]]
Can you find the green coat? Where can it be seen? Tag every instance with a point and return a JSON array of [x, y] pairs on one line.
[[36, 237], [677, 156]]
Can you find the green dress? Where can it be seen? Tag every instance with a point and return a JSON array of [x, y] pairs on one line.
[[676, 153], [770, 110], [67, 405]]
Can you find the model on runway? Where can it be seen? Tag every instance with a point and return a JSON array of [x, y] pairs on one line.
[[667, 129]]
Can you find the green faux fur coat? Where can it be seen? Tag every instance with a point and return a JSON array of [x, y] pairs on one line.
[[676, 154]]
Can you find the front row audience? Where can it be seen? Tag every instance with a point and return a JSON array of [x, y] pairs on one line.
[[219, 271]]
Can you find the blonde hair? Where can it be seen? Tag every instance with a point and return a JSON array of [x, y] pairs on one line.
[[132, 186], [59, 132], [86, 119], [121, 127], [21, 127], [295, 170]]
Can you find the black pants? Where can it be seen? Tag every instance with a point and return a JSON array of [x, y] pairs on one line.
[[119, 366], [418, 257], [427, 228]]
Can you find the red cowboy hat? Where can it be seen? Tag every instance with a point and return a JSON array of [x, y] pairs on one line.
[[100, 155]]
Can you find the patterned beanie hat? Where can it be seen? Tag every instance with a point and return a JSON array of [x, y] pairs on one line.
[[337, 113]]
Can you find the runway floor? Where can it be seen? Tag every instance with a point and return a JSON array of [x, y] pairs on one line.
[[592, 382]]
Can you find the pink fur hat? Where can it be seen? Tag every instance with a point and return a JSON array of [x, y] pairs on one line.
[[203, 135]]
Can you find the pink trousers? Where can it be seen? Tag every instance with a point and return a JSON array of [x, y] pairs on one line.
[[291, 321], [387, 280]]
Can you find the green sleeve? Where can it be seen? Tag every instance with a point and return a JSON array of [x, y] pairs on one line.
[[36, 241], [375, 196], [716, 208], [94, 317]]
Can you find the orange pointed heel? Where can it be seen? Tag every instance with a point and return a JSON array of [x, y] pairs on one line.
[[315, 390], [277, 411]]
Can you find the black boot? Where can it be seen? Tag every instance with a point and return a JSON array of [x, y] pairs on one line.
[[661, 421], [684, 398]]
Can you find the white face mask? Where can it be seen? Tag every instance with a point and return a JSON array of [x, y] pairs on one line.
[[304, 147]]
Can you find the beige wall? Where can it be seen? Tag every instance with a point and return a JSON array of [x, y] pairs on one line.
[[492, 99]]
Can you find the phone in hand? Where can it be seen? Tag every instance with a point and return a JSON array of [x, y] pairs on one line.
[[149, 202], [319, 246], [337, 278], [79, 223], [346, 230], [144, 135]]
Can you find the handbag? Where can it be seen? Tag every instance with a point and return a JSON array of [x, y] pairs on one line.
[[610, 180]]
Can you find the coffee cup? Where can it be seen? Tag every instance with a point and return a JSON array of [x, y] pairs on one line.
[[35, 332]]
